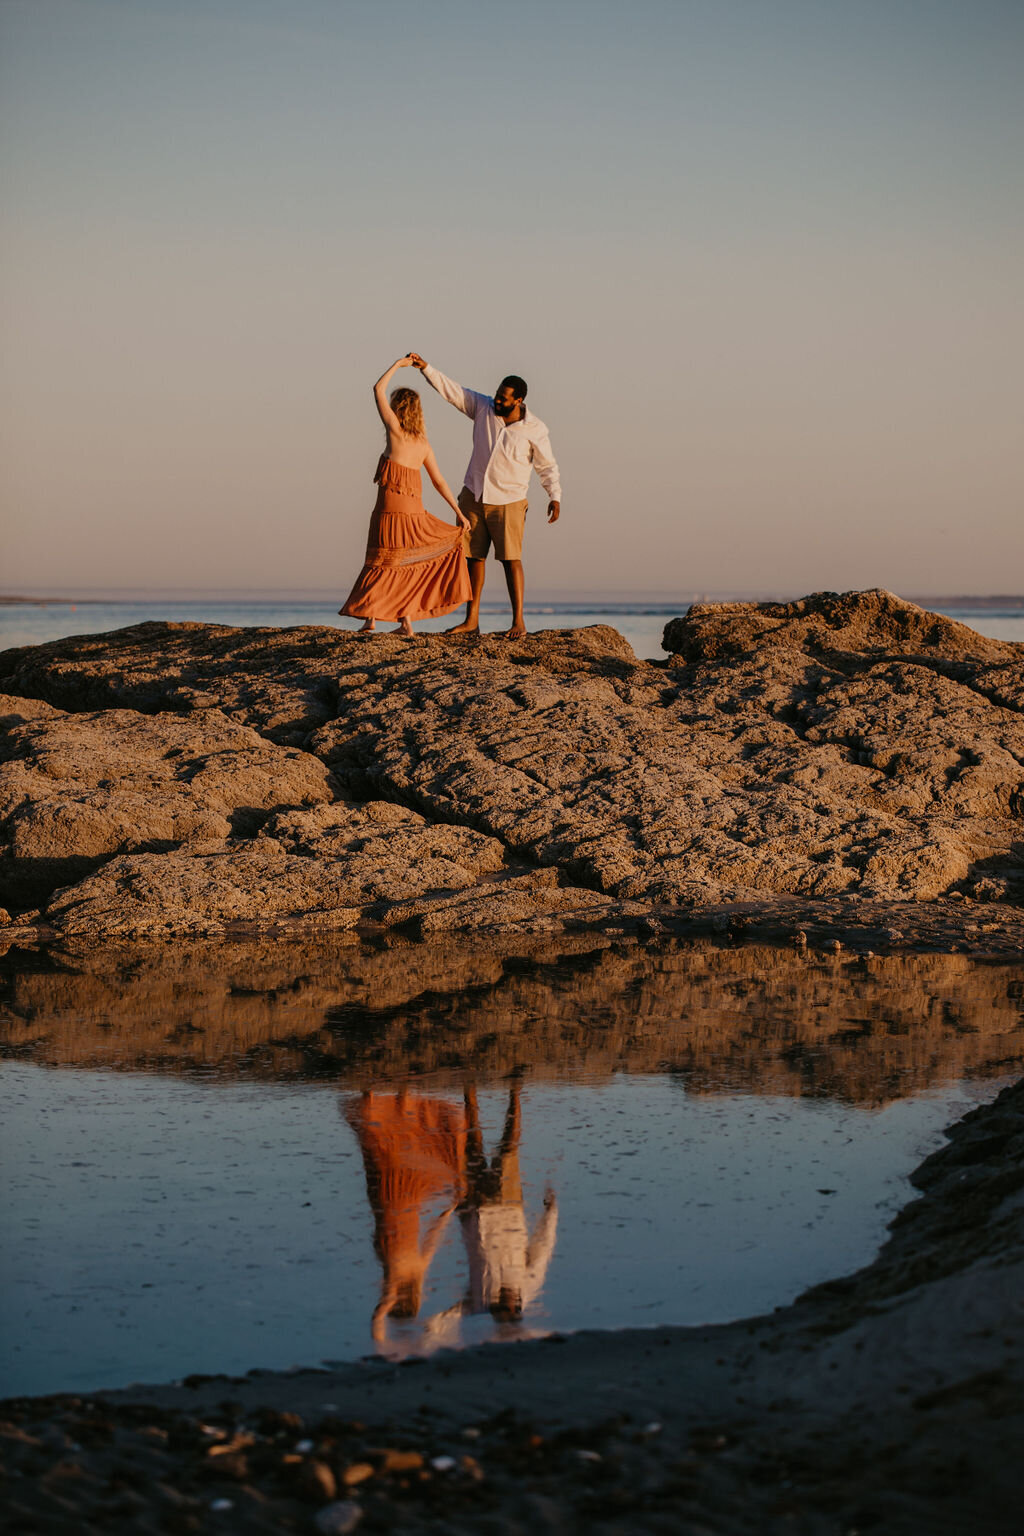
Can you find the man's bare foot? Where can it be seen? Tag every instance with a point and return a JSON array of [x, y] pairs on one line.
[[465, 628], [517, 632]]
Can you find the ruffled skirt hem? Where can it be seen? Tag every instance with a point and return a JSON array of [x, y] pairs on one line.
[[415, 567]]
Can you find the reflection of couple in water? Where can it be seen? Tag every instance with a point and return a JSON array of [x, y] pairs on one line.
[[418, 1151]]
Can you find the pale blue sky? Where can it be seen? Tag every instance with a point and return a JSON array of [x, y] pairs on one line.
[[758, 261]]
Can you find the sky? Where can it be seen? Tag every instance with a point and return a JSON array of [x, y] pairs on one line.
[[758, 260]]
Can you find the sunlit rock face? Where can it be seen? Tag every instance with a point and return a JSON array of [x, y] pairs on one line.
[[76, 789], [844, 745], [752, 1019]]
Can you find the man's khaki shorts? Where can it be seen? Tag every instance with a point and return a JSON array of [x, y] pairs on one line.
[[501, 526]]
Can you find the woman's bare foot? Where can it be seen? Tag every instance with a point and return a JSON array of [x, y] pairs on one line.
[[368, 628], [404, 629]]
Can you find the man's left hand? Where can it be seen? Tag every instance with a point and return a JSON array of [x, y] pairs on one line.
[[554, 507]]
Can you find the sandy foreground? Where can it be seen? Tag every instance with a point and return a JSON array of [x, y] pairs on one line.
[[892, 1401]]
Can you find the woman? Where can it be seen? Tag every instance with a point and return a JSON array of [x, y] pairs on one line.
[[414, 1153], [415, 567]]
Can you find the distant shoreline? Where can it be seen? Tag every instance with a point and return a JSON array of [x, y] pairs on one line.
[[541, 603], [13, 601]]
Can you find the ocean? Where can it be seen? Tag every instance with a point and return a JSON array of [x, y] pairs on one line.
[[640, 621]]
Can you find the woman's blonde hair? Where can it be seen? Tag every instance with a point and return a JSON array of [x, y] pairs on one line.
[[408, 408]]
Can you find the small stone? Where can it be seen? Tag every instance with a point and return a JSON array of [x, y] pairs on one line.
[[221, 1506], [833, 946], [652, 1429], [235, 1465], [357, 1473], [443, 1463], [589, 1455], [800, 938], [5, 917], [471, 1432], [339, 1518], [472, 1468], [239, 1442], [318, 1482], [401, 1461], [304, 1447]]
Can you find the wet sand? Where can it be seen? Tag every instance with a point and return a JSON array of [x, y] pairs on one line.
[[892, 1400]]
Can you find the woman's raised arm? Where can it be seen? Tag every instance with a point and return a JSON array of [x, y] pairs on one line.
[[380, 394]]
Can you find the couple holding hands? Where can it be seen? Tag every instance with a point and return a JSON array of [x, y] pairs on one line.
[[416, 565]]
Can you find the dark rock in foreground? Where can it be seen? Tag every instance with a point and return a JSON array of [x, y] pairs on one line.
[[843, 746]]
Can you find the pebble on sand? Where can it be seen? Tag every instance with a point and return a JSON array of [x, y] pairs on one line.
[[339, 1518], [318, 1482], [356, 1473], [401, 1461]]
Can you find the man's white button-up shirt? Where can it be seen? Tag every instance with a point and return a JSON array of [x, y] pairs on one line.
[[503, 452]]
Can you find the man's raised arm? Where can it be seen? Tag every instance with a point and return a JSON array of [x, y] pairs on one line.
[[465, 400]]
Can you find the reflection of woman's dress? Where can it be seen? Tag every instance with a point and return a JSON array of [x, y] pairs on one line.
[[414, 1151], [415, 567]]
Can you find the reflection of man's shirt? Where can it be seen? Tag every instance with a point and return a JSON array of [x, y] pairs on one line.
[[502, 1256], [503, 452]]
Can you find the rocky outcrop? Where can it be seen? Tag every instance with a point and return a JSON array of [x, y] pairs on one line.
[[834, 627], [377, 863], [76, 789], [847, 745]]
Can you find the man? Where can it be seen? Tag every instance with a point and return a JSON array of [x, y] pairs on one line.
[[507, 1262], [508, 441]]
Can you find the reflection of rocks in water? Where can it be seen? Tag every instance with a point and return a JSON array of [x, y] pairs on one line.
[[765, 1020]]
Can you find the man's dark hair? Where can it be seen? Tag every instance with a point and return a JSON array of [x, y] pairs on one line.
[[515, 384]]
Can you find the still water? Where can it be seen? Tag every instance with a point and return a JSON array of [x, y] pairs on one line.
[[276, 1155]]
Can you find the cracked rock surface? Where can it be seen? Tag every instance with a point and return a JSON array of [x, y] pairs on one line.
[[847, 745], [76, 789]]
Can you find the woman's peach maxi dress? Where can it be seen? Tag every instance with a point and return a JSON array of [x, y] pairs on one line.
[[414, 1153], [415, 567]]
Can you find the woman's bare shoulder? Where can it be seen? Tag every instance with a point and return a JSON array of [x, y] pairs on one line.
[[407, 451]]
